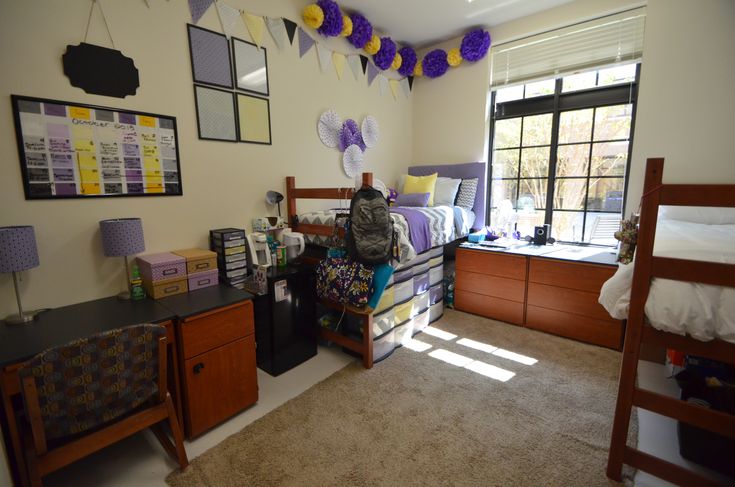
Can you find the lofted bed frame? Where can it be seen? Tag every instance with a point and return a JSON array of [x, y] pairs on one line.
[[638, 331]]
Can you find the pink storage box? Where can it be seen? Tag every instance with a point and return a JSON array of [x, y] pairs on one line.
[[203, 279], [163, 266]]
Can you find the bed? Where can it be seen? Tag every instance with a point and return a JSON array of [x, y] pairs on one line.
[[414, 296], [661, 315]]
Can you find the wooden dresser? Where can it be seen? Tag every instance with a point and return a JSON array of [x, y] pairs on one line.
[[543, 293]]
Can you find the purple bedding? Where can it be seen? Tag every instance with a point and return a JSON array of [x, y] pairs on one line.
[[418, 228]]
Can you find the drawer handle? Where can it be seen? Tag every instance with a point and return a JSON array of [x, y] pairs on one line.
[[168, 272], [198, 368], [203, 265], [171, 289], [203, 282]]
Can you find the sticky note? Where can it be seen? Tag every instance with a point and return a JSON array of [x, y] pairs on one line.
[[89, 175], [146, 121], [79, 112], [150, 138], [150, 150], [151, 163], [82, 132], [90, 188], [87, 160]]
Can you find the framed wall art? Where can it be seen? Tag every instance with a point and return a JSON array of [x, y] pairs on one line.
[[210, 57], [251, 67], [216, 116], [254, 119]]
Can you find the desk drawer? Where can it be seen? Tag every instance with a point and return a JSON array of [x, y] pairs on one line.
[[496, 308], [567, 300], [580, 276], [598, 332], [202, 333], [499, 287], [485, 262]]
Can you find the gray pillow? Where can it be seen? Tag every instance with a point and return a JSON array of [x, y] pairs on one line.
[[466, 194], [445, 191]]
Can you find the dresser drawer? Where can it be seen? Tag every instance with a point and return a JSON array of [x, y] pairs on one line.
[[485, 262], [496, 308], [598, 332], [580, 276], [566, 300], [202, 333], [499, 287]]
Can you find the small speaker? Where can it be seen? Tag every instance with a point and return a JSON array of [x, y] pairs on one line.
[[540, 235]]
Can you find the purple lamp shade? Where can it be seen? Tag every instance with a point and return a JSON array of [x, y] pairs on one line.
[[18, 250], [122, 237]]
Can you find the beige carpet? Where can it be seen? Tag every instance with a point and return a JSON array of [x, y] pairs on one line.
[[415, 419]]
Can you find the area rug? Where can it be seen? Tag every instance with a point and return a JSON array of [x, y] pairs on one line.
[[471, 402]]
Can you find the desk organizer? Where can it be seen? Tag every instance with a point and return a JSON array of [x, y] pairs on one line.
[[229, 246]]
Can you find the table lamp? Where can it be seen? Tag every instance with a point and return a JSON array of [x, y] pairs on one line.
[[18, 252], [122, 237], [274, 198]]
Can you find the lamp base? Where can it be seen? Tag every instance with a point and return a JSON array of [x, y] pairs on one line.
[[19, 319]]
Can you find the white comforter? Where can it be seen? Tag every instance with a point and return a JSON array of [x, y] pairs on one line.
[[702, 311]]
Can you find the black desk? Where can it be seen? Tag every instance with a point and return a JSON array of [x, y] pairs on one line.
[[203, 300]]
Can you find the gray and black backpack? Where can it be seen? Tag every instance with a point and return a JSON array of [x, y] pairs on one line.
[[370, 238]]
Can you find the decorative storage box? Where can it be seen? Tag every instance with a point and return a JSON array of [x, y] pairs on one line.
[[201, 280], [198, 260], [166, 287], [163, 266]]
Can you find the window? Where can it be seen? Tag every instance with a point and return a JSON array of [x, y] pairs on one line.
[[560, 154]]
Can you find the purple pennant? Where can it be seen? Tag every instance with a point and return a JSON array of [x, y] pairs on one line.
[[372, 72], [305, 42], [198, 7]]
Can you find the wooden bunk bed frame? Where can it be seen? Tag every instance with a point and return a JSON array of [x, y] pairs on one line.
[[364, 347], [638, 331]]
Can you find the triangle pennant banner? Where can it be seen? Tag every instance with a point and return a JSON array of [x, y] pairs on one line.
[[372, 72], [255, 25], [305, 42], [410, 82], [290, 29], [228, 17], [277, 29], [197, 8], [339, 63], [394, 87], [354, 61], [364, 61], [383, 82], [405, 87], [325, 55]]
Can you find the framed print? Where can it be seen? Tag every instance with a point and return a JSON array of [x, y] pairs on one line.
[[73, 150], [254, 119], [210, 57], [216, 118], [251, 67]]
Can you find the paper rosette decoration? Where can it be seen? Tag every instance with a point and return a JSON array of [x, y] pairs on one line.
[[380, 186], [370, 131], [329, 127], [352, 161]]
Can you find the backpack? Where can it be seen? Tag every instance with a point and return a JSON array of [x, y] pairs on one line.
[[370, 238]]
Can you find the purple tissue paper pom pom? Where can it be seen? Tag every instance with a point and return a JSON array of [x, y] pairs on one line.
[[435, 63], [349, 135], [475, 45], [409, 61], [384, 57], [362, 31], [332, 25]]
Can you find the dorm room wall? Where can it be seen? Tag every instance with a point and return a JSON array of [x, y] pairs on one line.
[[224, 183]]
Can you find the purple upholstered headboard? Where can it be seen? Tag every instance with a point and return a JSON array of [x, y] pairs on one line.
[[461, 171]]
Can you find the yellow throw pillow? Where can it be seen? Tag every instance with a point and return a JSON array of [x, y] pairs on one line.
[[421, 184]]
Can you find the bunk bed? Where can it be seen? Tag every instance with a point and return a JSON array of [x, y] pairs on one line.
[[641, 330]]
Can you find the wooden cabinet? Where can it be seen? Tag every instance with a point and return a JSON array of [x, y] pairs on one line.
[[554, 296], [218, 366]]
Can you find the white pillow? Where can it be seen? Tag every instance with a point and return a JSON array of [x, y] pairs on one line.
[[401, 182], [445, 191], [698, 214]]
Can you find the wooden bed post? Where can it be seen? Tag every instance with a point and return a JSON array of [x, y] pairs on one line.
[[367, 178], [291, 200], [636, 315]]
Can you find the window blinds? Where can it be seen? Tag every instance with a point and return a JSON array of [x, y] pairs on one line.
[[613, 39]]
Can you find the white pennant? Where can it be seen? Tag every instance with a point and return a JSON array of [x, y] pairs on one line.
[[229, 17], [383, 82], [406, 87], [277, 29], [325, 57], [355, 65]]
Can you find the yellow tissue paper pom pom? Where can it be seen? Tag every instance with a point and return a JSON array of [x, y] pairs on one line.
[[313, 16], [373, 45], [397, 61], [418, 70], [454, 58], [346, 26]]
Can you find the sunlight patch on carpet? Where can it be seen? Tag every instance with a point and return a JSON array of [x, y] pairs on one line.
[[441, 334]]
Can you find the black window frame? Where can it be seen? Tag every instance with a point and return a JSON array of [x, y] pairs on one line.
[[555, 104]]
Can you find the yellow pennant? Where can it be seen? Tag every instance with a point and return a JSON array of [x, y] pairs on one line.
[[394, 87], [339, 63], [255, 25]]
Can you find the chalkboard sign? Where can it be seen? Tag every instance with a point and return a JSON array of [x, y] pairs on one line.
[[72, 150]]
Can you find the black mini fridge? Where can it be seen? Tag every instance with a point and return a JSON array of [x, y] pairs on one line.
[[285, 318]]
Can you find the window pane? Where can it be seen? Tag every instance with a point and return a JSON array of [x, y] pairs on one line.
[[535, 162], [569, 194], [527, 220], [601, 228], [572, 160], [503, 190], [537, 130], [575, 126], [505, 163], [508, 133], [613, 122], [579, 81], [609, 159], [617, 74], [605, 194], [540, 88], [508, 94], [567, 225], [532, 194]]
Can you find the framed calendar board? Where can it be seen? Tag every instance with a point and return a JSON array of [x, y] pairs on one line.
[[73, 150]]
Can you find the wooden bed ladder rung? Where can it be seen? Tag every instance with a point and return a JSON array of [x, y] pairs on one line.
[[701, 417], [712, 273], [719, 350], [666, 470], [720, 195]]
